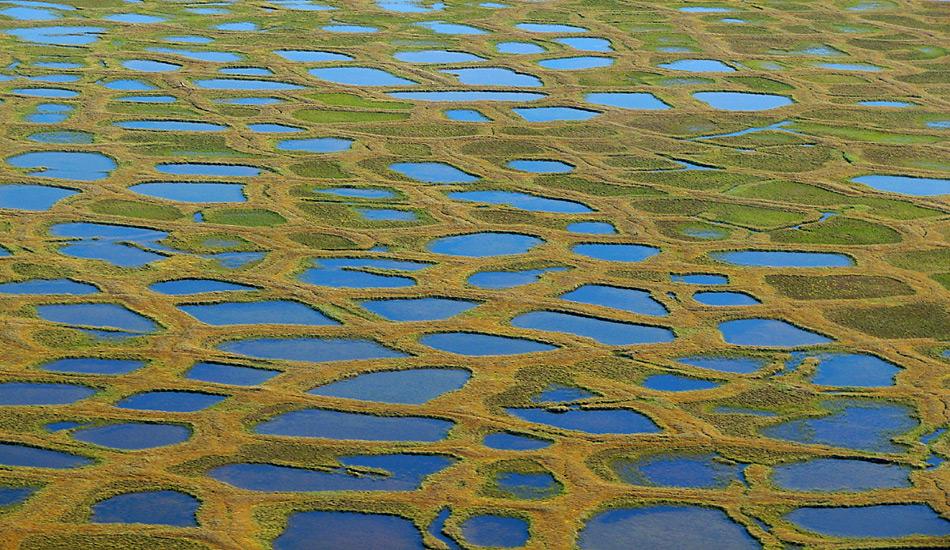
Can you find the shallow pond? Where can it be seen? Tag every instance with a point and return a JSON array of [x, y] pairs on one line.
[[497, 280], [316, 145], [93, 365], [662, 526], [353, 273], [768, 333], [736, 365], [506, 441], [315, 350], [625, 299], [348, 531], [133, 436], [540, 166], [742, 101], [465, 115], [48, 287], [779, 258], [100, 316], [676, 383], [235, 375], [578, 63], [875, 521], [411, 387], [183, 287], [703, 471], [39, 393], [276, 312], [462, 96], [725, 298], [152, 507], [192, 192], [170, 401], [333, 424], [13, 454], [698, 66], [417, 309], [605, 331], [616, 252], [840, 475], [906, 185], [592, 421], [586, 43], [437, 56], [482, 245], [478, 344]]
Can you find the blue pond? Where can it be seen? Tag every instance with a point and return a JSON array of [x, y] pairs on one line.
[[403, 472], [593, 421], [234, 375], [742, 101], [578, 63], [540, 166], [70, 165], [93, 365], [432, 172], [768, 333], [700, 279], [866, 425], [15, 495], [519, 48], [100, 316], [315, 350], [282, 312], [13, 454], [876, 521], [627, 100], [779, 258], [724, 298], [205, 169], [133, 436], [506, 441], [152, 507], [703, 471], [417, 309], [522, 201], [320, 530], [332, 424], [840, 474], [48, 287], [586, 43], [611, 333], [437, 56], [478, 344], [108, 242], [183, 287], [360, 76], [592, 228], [554, 114], [682, 527], [468, 96], [316, 145], [676, 383], [907, 185], [411, 387], [28, 393], [854, 369], [486, 244], [616, 252], [170, 401], [698, 66], [495, 531], [387, 214], [357, 273], [624, 299]]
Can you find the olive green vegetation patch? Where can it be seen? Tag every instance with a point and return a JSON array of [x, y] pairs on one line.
[[40, 271], [248, 217], [838, 230], [323, 241], [760, 84], [943, 279], [863, 134], [136, 541], [918, 320], [926, 261], [352, 100], [754, 217], [316, 168], [813, 195], [136, 209], [327, 117], [837, 287]]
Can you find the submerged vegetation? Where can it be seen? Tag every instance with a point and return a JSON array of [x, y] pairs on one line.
[[402, 274]]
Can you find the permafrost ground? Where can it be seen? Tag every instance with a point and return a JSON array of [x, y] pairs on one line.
[[401, 274]]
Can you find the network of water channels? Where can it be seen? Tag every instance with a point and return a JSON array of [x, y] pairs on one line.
[[405, 274]]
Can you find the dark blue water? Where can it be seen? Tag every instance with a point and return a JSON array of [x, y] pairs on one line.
[[15, 495], [738, 365], [360, 76], [93, 365], [742, 101], [70, 165], [495, 531], [315, 350], [321, 530], [433, 172], [437, 56], [860, 424], [676, 383], [840, 475], [876, 521], [627, 100], [703, 471], [578, 63], [312, 56], [418, 309], [682, 527], [478, 344], [854, 369], [554, 114], [183, 287], [723, 298], [101, 316], [625, 299], [14, 454], [497, 280], [316, 145], [332, 424], [907, 185], [528, 486], [48, 287], [469, 95], [133, 436], [36, 198], [192, 192], [151, 507], [413, 386], [540, 166], [615, 252], [29, 393], [777, 258], [594, 421], [278, 312], [611, 333]]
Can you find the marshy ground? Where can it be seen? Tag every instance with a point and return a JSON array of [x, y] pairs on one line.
[[405, 274]]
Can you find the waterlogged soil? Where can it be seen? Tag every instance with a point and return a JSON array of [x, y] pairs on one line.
[[415, 274]]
